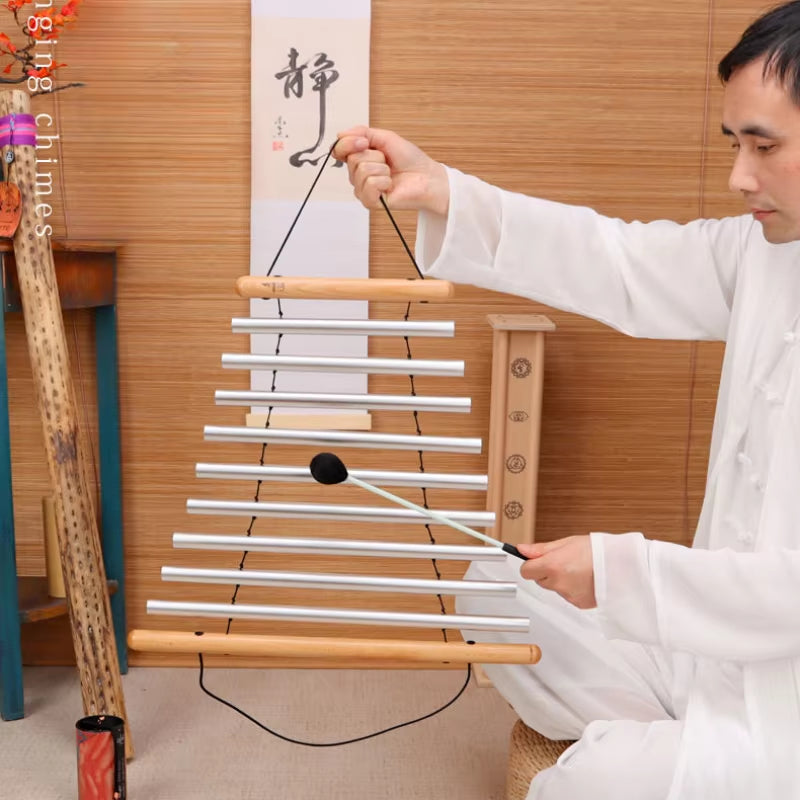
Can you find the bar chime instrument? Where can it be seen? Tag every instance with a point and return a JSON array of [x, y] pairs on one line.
[[337, 550]]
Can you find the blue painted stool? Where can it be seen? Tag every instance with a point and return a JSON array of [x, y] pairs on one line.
[[86, 274]]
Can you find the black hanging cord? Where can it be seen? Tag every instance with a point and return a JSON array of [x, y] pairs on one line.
[[303, 205], [259, 482], [300, 211], [329, 744], [258, 491], [421, 461], [402, 238]]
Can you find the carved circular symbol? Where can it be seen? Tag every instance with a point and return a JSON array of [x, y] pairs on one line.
[[521, 367], [513, 510], [516, 464], [519, 416]]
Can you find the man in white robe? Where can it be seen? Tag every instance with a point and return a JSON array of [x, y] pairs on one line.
[[678, 669]]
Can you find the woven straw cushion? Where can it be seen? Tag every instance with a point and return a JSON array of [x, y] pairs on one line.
[[530, 752]]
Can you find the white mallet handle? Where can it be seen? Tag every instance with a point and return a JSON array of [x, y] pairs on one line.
[[509, 548]]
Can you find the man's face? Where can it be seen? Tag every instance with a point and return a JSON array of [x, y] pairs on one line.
[[763, 124]]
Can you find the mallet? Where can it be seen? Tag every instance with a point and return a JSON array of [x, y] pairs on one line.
[[328, 469]]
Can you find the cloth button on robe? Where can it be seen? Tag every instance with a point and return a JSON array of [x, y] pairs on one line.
[[745, 537]]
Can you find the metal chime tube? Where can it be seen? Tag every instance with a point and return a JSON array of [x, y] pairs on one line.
[[343, 326], [428, 480], [374, 366], [313, 580], [442, 444], [336, 547], [383, 402], [334, 513], [338, 615]]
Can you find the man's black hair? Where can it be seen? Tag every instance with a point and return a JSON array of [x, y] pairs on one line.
[[775, 37]]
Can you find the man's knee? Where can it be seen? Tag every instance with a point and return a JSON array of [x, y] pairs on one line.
[[619, 760]]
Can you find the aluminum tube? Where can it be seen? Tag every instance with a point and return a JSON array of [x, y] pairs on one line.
[[381, 402], [335, 547], [343, 326], [342, 615], [333, 513], [374, 366], [428, 480], [316, 580], [331, 439]]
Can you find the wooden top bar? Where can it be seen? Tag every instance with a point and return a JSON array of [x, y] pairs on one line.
[[344, 288]]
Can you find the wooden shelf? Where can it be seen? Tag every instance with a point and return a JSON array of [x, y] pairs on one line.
[[35, 604], [86, 278]]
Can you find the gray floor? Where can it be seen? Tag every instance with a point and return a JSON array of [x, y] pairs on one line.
[[190, 746]]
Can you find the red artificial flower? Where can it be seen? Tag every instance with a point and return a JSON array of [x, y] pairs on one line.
[[37, 31], [6, 43], [37, 25], [69, 9], [44, 72]]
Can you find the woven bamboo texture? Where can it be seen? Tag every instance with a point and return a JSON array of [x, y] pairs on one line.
[[529, 754], [612, 104]]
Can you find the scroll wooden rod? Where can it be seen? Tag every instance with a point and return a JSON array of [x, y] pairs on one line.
[[344, 288], [331, 648]]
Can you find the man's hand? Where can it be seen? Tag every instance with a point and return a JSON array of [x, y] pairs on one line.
[[563, 566], [381, 163]]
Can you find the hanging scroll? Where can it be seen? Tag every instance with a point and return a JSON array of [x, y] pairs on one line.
[[310, 79]]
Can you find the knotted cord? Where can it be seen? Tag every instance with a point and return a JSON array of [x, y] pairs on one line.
[[262, 459]]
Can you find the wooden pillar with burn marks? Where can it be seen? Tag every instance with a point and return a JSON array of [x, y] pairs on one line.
[[515, 423], [77, 532]]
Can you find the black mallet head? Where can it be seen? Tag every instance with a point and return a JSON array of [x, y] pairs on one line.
[[328, 468]]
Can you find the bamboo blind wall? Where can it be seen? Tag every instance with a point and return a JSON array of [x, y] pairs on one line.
[[611, 104]]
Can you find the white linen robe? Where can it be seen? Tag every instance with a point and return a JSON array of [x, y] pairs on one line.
[[730, 605]]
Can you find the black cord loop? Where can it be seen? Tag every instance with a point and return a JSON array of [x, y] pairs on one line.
[[328, 744], [258, 490]]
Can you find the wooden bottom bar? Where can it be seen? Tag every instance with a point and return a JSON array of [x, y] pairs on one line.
[[331, 648]]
